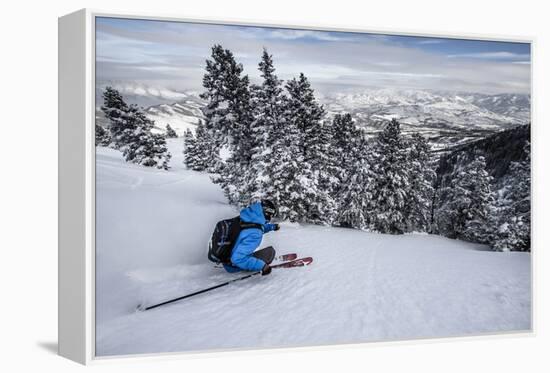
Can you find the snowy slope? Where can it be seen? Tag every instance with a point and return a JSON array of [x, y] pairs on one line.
[[152, 228]]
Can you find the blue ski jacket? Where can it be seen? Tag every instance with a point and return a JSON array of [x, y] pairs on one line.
[[249, 240]]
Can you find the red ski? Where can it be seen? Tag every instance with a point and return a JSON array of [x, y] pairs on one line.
[[286, 257], [294, 263], [281, 258]]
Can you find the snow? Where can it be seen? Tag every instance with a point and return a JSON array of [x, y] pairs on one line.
[[225, 153], [434, 110], [152, 229], [387, 117], [181, 115], [179, 122]]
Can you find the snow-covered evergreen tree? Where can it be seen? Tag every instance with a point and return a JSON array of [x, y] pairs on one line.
[[290, 182], [228, 116], [120, 116], [303, 109], [356, 196], [189, 149], [102, 136], [478, 214], [330, 166], [346, 139], [303, 112], [170, 133], [228, 112], [205, 158], [421, 177], [465, 212], [277, 170], [152, 151], [510, 218], [345, 148], [267, 130], [198, 150], [131, 132], [391, 186]]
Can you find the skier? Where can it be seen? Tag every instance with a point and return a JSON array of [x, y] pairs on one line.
[[243, 255]]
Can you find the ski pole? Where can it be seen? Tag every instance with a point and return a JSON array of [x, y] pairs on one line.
[[293, 263], [199, 292]]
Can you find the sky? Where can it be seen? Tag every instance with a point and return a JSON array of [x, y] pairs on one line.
[[164, 58]]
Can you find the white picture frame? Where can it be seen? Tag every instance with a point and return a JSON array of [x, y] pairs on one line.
[[77, 104]]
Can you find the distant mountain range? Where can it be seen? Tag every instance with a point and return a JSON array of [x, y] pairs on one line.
[[445, 118], [181, 115], [181, 110]]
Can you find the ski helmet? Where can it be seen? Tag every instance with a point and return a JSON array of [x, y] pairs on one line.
[[269, 209]]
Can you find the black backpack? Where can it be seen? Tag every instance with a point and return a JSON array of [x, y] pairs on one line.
[[224, 237]]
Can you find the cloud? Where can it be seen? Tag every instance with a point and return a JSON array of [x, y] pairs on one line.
[[300, 34], [172, 55], [387, 63], [491, 55], [144, 90], [431, 41]]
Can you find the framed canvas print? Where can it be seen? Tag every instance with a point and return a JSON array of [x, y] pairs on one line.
[[228, 185]]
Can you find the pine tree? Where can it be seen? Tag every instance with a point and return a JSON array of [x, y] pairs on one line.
[[152, 151], [330, 168], [267, 129], [422, 175], [170, 133], [345, 148], [465, 212], [288, 180], [228, 110], [391, 186], [102, 136], [510, 218], [205, 158], [189, 149], [119, 114], [228, 116], [197, 150], [131, 132], [303, 112], [277, 171], [356, 196], [306, 113], [478, 214], [346, 139]]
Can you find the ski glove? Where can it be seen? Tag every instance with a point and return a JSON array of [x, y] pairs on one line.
[[266, 270], [277, 227]]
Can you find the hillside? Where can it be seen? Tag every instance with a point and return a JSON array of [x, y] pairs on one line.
[[152, 229], [498, 149]]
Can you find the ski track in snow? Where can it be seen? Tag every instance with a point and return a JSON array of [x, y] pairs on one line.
[[152, 229]]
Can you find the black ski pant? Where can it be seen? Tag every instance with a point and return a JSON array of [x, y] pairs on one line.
[[267, 254]]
